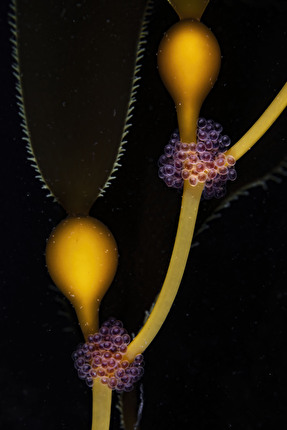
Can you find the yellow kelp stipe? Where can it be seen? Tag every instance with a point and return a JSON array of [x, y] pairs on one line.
[[82, 258], [190, 203], [102, 401], [260, 126], [189, 62]]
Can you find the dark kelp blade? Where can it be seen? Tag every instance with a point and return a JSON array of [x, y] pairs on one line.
[[77, 63]]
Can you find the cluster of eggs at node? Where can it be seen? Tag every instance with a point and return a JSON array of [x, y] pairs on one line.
[[204, 161], [102, 357]]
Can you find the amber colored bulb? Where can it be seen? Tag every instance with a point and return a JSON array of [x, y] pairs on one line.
[[189, 62], [81, 257]]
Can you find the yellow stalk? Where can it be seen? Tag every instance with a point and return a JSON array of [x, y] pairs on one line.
[[190, 202], [102, 400], [261, 125]]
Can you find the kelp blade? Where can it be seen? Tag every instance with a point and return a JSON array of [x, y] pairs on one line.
[[76, 62]]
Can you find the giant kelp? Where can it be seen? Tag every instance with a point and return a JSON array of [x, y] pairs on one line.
[[144, 192]]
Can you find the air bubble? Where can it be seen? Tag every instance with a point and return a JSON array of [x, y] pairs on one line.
[[201, 123], [185, 174], [202, 135], [230, 160], [202, 177], [193, 180]]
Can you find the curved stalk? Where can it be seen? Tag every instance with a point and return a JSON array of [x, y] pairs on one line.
[[261, 125], [189, 208], [190, 201]]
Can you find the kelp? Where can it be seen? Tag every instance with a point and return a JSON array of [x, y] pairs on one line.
[[77, 65], [216, 317]]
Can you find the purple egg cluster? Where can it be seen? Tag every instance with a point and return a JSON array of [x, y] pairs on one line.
[[102, 357], [203, 161]]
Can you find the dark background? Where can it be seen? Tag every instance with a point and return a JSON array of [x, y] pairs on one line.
[[220, 359]]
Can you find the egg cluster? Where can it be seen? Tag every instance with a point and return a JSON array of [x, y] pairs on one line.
[[102, 357], [204, 161]]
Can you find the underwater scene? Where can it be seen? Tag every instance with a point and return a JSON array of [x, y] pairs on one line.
[[218, 360]]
